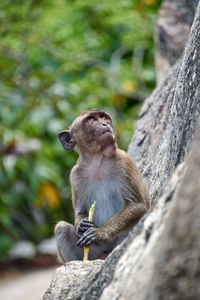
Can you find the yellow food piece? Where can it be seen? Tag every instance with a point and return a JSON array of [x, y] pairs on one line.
[[90, 218]]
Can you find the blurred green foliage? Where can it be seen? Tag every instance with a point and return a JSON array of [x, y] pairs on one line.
[[57, 59]]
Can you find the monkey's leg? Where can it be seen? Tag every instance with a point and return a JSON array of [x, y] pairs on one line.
[[66, 242]]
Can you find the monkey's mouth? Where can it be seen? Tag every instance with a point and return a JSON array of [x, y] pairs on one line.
[[108, 131]]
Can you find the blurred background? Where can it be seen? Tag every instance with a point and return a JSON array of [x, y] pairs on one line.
[[57, 59]]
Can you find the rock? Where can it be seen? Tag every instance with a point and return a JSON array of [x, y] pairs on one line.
[[64, 283], [168, 118], [177, 252], [48, 246], [171, 34], [23, 249]]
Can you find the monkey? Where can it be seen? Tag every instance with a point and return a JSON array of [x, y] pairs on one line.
[[103, 173]]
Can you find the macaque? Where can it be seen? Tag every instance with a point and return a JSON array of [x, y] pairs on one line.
[[103, 173]]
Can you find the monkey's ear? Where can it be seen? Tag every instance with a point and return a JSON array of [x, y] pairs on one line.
[[67, 140]]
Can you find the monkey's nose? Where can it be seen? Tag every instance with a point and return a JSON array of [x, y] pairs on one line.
[[104, 124]]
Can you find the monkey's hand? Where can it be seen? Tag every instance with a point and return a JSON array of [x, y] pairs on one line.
[[91, 235], [83, 226]]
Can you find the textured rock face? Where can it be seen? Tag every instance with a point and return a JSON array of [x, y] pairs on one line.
[[168, 118], [67, 280], [160, 258], [172, 31], [178, 251]]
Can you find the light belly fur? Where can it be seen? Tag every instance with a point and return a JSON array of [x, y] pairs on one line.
[[108, 196]]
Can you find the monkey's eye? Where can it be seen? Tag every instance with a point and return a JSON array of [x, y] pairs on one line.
[[103, 117]]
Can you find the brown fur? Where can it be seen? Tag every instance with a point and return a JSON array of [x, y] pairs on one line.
[[106, 174]]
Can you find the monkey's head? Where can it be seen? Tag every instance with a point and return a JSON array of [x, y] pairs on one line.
[[91, 132]]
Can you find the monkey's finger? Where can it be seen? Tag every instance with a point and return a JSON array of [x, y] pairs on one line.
[[83, 239], [90, 241], [89, 233], [79, 241], [87, 240], [83, 227], [79, 232], [86, 223]]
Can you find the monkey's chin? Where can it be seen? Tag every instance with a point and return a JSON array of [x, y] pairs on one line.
[[109, 151], [106, 138]]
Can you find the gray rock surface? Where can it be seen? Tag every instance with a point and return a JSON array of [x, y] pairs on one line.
[[168, 118], [171, 34], [177, 253], [139, 268], [68, 279]]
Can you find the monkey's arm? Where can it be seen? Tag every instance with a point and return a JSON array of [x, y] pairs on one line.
[[123, 220]]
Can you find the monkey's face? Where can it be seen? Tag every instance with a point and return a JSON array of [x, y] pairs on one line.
[[92, 131], [98, 128], [97, 132]]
